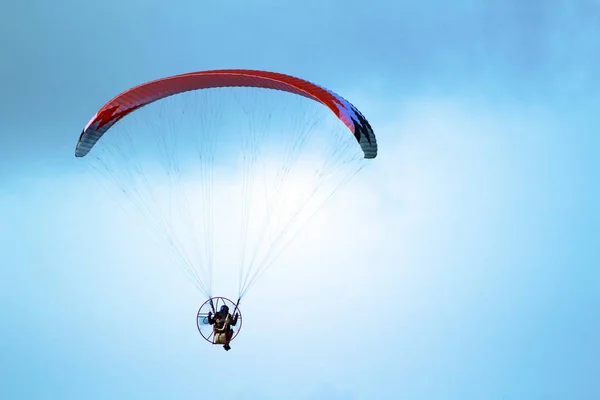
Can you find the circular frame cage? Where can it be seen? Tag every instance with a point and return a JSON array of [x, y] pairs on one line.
[[212, 305]]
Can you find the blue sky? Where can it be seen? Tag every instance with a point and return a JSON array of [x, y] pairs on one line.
[[475, 276]]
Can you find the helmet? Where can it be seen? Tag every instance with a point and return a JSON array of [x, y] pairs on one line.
[[224, 308]]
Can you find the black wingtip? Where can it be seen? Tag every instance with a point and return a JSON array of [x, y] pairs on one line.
[[78, 143]]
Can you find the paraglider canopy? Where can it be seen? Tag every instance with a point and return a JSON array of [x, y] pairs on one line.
[[149, 92]]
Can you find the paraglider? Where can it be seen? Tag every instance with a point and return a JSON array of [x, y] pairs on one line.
[[223, 321], [280, 117], [223, 327]]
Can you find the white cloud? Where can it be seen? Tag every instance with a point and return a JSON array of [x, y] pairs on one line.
[[420, 236]]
